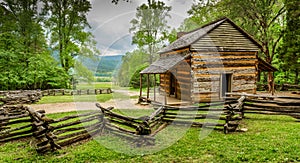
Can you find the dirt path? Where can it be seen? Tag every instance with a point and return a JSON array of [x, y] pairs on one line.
[[121, 101]]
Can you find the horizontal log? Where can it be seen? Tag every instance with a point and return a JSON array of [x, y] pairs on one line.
[[60, 131], [120, 129], [195, 123], [74, 134], [122, 122], [263, 96], [78, 138], [13, 117], [272, 113], [218, 114], [7, 123], [97, 113], [8, 139], [222, 53], [281, 103], [3, 136], [110, 114], [14, 129], [88, 119], [282, 110], [273, 107], [160, 128], [194, 117]]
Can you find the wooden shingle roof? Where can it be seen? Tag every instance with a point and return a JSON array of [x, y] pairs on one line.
[[193, 36], [163, 64]]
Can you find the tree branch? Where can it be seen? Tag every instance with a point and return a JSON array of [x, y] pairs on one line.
[[281, 11]]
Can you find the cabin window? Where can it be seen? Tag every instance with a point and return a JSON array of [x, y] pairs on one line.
[[225, 84]]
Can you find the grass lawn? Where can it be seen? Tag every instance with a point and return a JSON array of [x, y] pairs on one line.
[[268, 139]]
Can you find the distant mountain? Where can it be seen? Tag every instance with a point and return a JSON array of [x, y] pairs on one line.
[[101, 65], [108, 64]]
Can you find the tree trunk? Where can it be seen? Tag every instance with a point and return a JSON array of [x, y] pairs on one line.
[[296, 77], [271, 82]]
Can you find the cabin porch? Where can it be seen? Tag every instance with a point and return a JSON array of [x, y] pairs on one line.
[[157, 97]]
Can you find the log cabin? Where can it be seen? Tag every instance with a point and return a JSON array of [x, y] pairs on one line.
[[203, 64]]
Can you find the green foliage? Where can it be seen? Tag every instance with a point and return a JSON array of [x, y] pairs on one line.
[[135, 79], [25, 60], [131, 62], [41, 73], [150, 26], [82, 73], [66, 22], [289, 58]]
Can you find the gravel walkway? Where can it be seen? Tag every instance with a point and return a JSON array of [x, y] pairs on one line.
[[120, 103]]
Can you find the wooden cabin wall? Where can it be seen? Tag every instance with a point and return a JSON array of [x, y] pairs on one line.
[[183, 76], [182, 73], [165, 83], [207, 68]]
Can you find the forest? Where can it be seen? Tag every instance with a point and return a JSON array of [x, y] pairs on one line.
[[32, 32], [41, 40]]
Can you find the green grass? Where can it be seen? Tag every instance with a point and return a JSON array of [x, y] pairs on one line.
[[268, 139], [81, 98], [95, 85]]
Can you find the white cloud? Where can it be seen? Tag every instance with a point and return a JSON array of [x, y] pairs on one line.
[[110, 23]]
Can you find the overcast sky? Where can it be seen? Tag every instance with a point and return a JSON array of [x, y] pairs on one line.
[[110, 23]]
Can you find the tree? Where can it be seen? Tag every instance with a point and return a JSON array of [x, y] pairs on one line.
[[66, 24], [150, 26], [290, 50], [260, 18], [25, 62], [131, 63], [204, 12]]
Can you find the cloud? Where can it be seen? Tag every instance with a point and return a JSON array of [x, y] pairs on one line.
[[110, 23]]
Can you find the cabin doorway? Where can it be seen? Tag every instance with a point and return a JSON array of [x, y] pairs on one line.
[[172, 85], [226, 84]]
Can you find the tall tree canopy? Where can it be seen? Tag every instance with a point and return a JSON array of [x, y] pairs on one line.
[[290, 51], [150, 26], [26, 61], [263, 19], [66, 24]]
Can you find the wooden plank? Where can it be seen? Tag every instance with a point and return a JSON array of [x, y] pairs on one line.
[[222, 53]]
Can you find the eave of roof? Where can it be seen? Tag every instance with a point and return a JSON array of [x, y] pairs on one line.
[[264, 66], [164, 64]]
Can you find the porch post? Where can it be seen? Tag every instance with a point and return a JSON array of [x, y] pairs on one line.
[[165, 89], [154, 87], [148, 86], [141, 86]]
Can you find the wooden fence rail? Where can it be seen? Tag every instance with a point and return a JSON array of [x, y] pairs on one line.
[[270, 105], [32, 96], [51, 134], [18, 122], [56, 92]]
